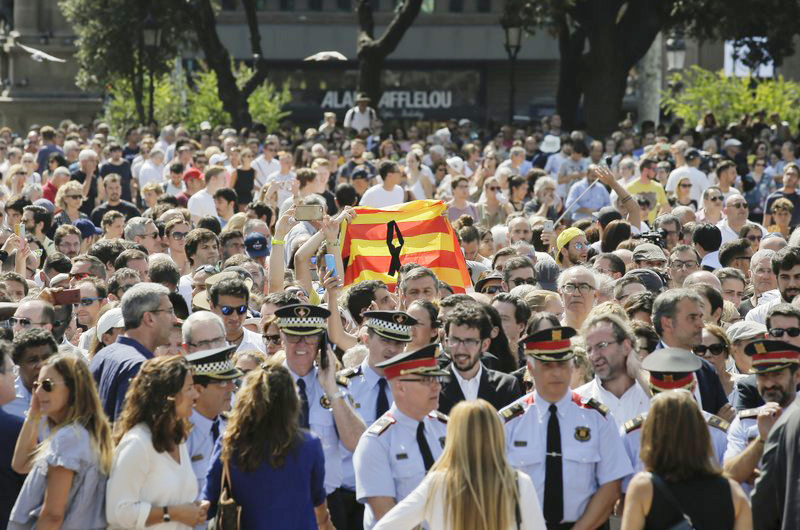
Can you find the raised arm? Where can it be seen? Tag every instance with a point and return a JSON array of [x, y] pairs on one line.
[[631, 207], [277, 265]]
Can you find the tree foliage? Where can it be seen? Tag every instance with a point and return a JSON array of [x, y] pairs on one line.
[[730, 98], [176, 102]]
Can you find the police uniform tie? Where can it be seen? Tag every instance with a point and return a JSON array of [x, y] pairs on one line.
[[215, 430], [383, 401], [301, 388], [553, 478], [427, 456]]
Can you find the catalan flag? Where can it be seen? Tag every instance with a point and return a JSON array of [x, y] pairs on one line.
[[378, 241]]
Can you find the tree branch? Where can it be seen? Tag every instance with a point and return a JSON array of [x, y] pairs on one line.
[[366, 22], [252, 25], [398, 26], [638, 29]]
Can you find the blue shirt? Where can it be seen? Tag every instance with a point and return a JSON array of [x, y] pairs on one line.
[[270, 497], [595, 198], [113, 367], [10, 482]]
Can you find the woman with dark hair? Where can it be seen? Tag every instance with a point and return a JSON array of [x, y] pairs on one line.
[[507, 358], [518, 191], [151, 479], [681, 477], [66, 473], [276, 469], [426, 330], [615, 233]]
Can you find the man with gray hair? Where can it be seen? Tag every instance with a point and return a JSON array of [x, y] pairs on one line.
[[763, 280], [149, 319], [87, 175], [143, 230], [203, 330], [578, 289]]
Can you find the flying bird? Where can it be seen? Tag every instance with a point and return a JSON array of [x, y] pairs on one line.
[[39, 56], [326, 56]]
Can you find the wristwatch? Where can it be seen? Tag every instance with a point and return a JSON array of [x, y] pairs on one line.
[[166, 516]]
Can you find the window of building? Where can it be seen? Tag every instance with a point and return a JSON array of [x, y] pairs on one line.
[[456, 6], [484, 6]]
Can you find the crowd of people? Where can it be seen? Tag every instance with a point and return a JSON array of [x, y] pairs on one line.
[[179, 347]]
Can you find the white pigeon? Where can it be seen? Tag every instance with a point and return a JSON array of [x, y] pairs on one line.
[[39, 56]]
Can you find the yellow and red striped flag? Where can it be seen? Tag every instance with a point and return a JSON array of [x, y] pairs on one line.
[[378, 241]]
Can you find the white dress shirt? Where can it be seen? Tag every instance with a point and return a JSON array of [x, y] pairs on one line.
[[633, 402], [469, 387]]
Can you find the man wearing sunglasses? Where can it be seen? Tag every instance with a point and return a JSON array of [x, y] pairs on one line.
[[325, 403], [396, 451], [736, 210], [229, 300], [572, 247], [93, 298], [143, 231], [518, 271], [32, 348]]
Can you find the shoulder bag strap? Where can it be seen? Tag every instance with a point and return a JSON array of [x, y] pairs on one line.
[[659, 483], [226, 478], [517, 513]]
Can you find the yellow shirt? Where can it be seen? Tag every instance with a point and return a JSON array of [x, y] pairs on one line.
[[653, 192]]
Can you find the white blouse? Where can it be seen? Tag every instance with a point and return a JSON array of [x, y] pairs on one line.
[[411, 511], [142, 478]]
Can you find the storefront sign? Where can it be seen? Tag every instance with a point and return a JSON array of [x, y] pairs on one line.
[[392, 100]]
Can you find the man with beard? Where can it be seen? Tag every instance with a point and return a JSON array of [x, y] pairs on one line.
[[468, 334], [609, 346], [386, 335], [683, 261], [775, 364], [113, 184], [572, 247], [578, 289], [786, 267]]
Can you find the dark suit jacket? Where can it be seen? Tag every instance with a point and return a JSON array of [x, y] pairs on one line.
[[497, 388]]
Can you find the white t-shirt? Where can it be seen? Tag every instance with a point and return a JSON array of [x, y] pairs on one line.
[[425, 173], [149, 172], [201, 204], [285, 191], [264, 169], [377, 197]]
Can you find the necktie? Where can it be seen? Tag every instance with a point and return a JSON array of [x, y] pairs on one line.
[[383, 401], [427, 456], [553, 479], [301, 388], [215, 430]]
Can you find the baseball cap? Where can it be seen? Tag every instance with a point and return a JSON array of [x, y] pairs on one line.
[[649, 278], [691, 154], [193, 173], [46, 204], [111, 319], [566, 236], [731, 142], [256, 245], [648, 251], [87, 228]]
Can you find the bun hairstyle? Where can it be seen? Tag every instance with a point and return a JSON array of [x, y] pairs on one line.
[[466, 230]]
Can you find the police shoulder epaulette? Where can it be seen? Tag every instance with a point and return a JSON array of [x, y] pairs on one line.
[[590, 403], [350, 372], [633, 424], [512, 411], [381, 424], [439, 416], [748, 413], [719, 423]]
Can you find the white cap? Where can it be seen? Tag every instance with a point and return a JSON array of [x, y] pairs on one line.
[[217, 159], [456, 163], [731, 142], [110, 319]]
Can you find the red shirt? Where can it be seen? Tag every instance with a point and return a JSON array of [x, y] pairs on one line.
[[49, 192]]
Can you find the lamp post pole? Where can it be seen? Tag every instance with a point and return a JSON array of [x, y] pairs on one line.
[[513, 44]]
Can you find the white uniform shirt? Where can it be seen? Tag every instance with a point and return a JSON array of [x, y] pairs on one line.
[[388, 461], [593, 454], [743, 430], [632, 403]]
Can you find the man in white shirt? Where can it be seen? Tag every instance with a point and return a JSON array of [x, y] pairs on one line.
[[736, 211], [610, 347], [786, 263], [266, 164], [202, 202], [362, 116], [152, 168], [229, 299], [687, 162], [389, 192], [284, 176]]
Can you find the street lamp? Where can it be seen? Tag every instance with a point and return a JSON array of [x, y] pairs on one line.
[[151, 35], [513, 31], [676, 52]]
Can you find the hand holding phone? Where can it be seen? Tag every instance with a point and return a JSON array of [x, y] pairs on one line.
[[308, 212], [330, 264]]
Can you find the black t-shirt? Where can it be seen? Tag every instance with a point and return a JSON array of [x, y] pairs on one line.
[[124, 207], [244, 185], [124, 171]]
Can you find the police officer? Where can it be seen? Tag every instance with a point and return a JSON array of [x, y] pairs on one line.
[[568, 445], [671, 369], [325, 407], [775, 365], [387, 334], [214, 379], [397, 450]]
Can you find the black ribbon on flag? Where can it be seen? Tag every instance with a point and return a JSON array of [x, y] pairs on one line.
[[392, 229]]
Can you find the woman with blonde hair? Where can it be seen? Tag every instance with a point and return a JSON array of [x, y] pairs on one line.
[[236, 222], [275, 468], [471, 486], [682, 480], [69, 199], [152, 481], [15, 179], [67, 472]]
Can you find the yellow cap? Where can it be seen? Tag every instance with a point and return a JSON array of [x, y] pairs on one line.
[[566, 236]]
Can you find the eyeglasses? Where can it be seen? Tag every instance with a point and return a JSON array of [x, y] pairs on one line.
[[208, 344], [455, 342], [47, 385], [273, 339], [228, 310], [714, 349], [24, 322], [678, 264], [715, 199], [739, 205], [778, 332], [600, 346], [492, 289], [308, 339], [583, 288], [523, 281], [86, 302], [178, 236], [581, 246]]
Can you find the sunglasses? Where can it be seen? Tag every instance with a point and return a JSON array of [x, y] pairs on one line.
[[686, 185], [228, 310], [523, 281], [739, 206], [715, 349], [24, 322], [274, 339], [86, 302], [178, 236], [47, 385], [715, 199], [492, 289], [778, 332]]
